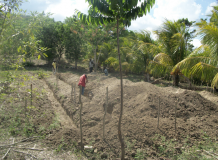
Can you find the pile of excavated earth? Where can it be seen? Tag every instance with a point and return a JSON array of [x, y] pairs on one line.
[[196, 113]]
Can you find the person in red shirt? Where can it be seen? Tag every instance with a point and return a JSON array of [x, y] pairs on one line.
[[82, 82]]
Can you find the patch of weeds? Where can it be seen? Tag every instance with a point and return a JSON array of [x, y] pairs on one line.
[[91, 142], [129, 144], [140, 155], [41, 74], [28, 130], [188, 151], [55, 124], [41, 129], [61, 146]]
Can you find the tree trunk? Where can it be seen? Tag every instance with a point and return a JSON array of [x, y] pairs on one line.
[[148, 77], [121, 107], [95, 58], [99, 56], [75, 64], [176, 80]]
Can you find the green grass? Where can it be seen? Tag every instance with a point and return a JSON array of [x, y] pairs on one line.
[[188, 151]]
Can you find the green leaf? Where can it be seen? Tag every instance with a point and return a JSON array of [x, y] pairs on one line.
[[19, 49], [39, 56], [45, 54]]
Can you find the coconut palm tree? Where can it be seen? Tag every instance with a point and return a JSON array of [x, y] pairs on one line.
[[147, 49], [203, 62], [173, 39]]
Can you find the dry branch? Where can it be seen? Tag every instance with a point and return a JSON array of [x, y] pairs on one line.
[[211, 154], [28, 148], [18, 142], [6, 153]]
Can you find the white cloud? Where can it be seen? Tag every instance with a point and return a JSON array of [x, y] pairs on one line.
[[147, 22], [170, 9], [66, 8], [209, 8], [174, 10], [196, 42]]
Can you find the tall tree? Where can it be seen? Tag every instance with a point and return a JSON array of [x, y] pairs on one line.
[[73, 39], [121, 11], [203, 62], [174, 36], [95, 36]]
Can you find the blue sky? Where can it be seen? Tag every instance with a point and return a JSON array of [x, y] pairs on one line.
[[194, 10]]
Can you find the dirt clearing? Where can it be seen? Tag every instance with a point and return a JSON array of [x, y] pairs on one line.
[[196, 115]]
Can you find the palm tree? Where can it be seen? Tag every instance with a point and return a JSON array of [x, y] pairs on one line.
[[173, 38], [203, 62], [147, 49]]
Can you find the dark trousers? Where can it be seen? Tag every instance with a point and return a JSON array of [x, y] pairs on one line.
[[90, 69]]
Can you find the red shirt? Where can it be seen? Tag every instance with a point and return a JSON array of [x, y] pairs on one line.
[[82, 80]]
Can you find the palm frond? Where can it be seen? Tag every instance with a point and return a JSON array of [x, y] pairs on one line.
[[215, 81], [203, 71], [158, 69], [163, 59]]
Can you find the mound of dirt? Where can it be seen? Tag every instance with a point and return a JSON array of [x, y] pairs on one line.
[[139, 122], [62, 136]]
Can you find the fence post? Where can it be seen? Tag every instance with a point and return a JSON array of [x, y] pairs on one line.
[[81, 134], [31, 86], [105, 111], [71, 91], [158, 113], [175, 116], [25, 106], [75, 93], [56, 82], [80, 87]]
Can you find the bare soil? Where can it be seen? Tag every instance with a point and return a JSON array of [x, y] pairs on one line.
[[196, 113], [53, 129]]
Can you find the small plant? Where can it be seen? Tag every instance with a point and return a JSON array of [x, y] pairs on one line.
[[140, 154], [41, 75], [55, 123], [61, 146], [129, 144]]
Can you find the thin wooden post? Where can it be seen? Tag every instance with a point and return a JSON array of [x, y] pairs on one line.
[[153, 100], [81, 133], [75, 93], [72, 91], [31, 86], [158, 113], [56, 81], [175, 118], [105, 111], [80, 94], [25, 107]]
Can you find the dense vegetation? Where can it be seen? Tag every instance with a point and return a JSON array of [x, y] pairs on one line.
[[24, 37]]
